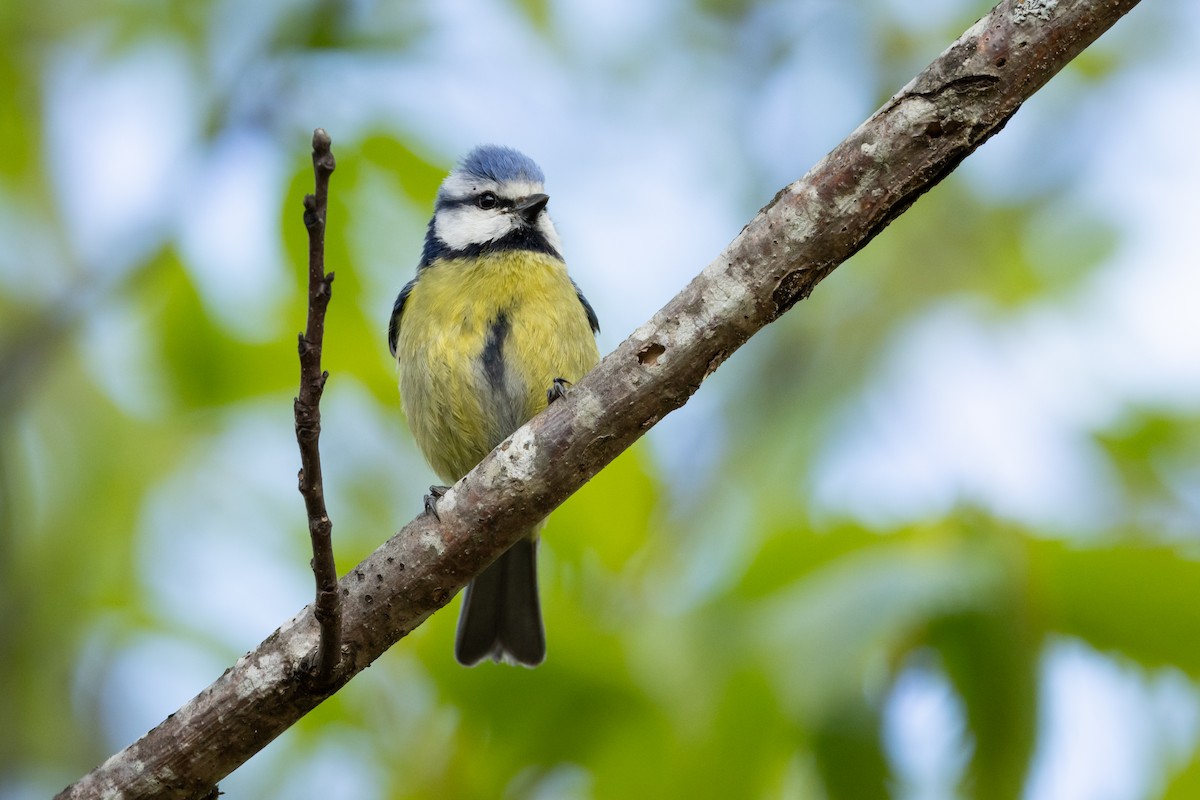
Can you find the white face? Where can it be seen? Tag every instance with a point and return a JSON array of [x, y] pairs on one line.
[[466, 224]]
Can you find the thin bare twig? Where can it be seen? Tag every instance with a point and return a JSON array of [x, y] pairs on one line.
[[327, 608]]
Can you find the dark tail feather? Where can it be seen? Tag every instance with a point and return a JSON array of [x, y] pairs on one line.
[[501, 617]]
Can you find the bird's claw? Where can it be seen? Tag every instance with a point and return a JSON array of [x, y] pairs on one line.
[[435, 494], [558, 388]]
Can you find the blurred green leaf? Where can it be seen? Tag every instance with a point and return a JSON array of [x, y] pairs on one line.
[[417, 177], [537, 13], [1186, 784], [610, 516], [991, 657], [205, 366], [849, 753], [18, 137], [789, 553], [86, 545], [1141, 601], [1153, 454], [840, 624]]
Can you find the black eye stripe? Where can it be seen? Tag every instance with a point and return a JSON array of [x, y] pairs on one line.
[[458, 202]]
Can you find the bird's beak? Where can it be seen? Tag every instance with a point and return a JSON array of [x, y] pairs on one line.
[[531, 206]]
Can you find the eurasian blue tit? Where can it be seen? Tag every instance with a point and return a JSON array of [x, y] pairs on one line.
[[489, 331]]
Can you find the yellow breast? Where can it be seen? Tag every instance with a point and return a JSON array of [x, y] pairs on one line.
[[481, 340]]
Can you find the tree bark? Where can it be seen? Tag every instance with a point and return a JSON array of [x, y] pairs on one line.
[[327, 608], [810, 227]]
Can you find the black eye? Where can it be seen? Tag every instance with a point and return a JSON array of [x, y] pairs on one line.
[[487, 200]]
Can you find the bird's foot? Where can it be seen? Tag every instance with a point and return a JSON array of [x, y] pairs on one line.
[[435, 494], [558, 388]]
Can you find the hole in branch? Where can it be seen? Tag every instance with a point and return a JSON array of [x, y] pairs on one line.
[[649, 354]]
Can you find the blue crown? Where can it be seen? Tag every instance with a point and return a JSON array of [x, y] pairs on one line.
[[500, 164]]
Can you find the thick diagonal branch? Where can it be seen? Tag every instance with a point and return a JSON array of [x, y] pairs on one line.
[[307, 406], [807, 230]]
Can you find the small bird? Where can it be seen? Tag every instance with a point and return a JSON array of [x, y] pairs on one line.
[[488, 333]]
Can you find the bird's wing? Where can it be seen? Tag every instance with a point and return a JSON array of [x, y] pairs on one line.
[[398, 309], [593, 320]]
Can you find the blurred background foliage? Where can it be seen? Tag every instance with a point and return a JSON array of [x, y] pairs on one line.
[[931, 535]]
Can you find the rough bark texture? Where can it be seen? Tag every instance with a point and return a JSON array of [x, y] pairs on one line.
[[808, 229]]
